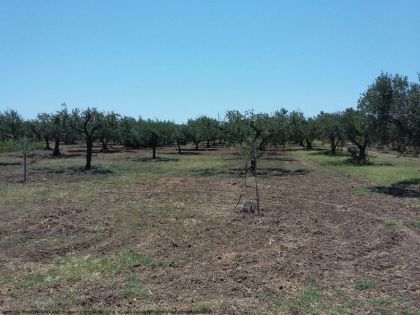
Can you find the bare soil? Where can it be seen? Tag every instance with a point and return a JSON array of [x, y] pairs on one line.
[[318, 229]]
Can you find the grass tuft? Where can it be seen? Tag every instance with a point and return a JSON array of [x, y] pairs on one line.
[[365, 285]]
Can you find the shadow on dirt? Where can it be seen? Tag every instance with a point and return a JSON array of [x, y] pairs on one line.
[[278, 158], [157, 159], [185, 152], [240, 172], [76, 170], [281, 171], [407, 188]]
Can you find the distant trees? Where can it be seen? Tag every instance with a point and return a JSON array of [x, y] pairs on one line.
[[12, 125], [387, 115]]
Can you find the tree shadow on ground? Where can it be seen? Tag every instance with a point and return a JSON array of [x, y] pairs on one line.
[[76, 170], [66, 155], [278, 158], [185, 152], [10, 163], [157, 159], [240, 172], [282, 171], [406, 188]]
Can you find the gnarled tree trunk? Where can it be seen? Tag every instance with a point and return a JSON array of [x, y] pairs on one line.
[[56, 151], [89, 150]]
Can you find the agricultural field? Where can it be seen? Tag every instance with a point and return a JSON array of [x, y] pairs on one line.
[[165, 235]]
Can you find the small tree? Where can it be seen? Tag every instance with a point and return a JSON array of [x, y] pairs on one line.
[[25, 145], [249, 130]]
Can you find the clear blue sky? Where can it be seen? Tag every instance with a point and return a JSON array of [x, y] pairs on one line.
[[176, 59]]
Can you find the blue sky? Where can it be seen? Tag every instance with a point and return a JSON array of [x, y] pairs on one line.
[[177, 59]]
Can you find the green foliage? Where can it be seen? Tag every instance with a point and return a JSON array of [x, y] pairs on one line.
[[12, 126], [392, 107], [25, 145], [296, 129], [331, 129], [358, 130]]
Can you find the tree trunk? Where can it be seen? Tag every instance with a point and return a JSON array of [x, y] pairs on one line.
[[24, 167], [47, 143], [208, 144], [333, 146], [362, 153], [104, 146], [308, 144], [154, 152], [196, 145], [179, 147], [89, 150], [56, 151]]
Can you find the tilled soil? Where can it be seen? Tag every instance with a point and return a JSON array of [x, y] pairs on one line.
[[317, 229]]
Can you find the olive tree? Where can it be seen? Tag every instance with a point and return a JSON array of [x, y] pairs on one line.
[[154, 133], [358, 130], [12, 125], [331, 129], [87, 122]]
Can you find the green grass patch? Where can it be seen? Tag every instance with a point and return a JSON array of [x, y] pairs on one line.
[[382, 170], [413, 224], [381, 302], [200, 307], [309, 301], [132, 287], [392, 224], [365, 285], [87, 269]]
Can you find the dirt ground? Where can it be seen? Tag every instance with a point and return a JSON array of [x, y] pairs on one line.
[[323, 244]]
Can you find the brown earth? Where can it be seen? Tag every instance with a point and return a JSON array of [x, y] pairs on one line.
[[317, 230]]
